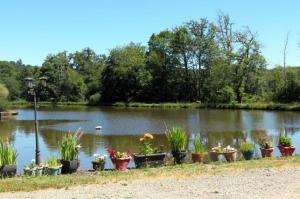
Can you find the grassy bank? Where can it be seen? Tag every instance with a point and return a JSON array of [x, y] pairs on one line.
[[191, 105], [178, 171]]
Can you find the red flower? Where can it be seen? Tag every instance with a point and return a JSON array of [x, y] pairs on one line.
[[111, 152]]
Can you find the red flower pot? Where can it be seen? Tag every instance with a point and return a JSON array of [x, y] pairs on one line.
[[113, 160], [286, 151], [121, 163], [196, 157], [266, 152]]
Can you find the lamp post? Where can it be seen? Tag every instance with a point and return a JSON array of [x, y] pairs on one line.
[[32, 91]]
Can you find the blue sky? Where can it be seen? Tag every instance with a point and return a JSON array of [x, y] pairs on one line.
[[32, 29]]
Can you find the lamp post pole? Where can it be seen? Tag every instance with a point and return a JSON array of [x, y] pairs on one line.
[[32, 92], [37, 145]]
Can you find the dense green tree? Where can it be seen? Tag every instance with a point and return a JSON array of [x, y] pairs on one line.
[[90, 66], [125, 76], [241, 53], [161, 63], [63, 82]]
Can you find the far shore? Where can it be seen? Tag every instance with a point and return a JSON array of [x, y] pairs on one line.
[[184, 105]]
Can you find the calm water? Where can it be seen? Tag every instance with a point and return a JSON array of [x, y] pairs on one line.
[[122, 128]]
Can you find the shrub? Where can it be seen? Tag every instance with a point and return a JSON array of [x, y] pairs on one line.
[[246, 147], [178, 138], [8, 155], [3, 92], [3, 105], [285, 141], [198, 146], [94, 99]]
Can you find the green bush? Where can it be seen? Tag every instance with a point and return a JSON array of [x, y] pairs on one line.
[[285, 141], [3, 92], [8, 155], [3, 105], [178, 138], [94, 99], [198, 146], [246, 147]]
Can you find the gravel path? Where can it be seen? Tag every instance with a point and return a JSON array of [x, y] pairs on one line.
[[257, 183]]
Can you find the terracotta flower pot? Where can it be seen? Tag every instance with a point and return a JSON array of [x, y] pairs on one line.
[[286, 151], [266, 152], [121, 163], [214, 156], [197, 157], [230, 156]]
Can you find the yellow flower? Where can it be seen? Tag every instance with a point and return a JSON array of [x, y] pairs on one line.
[[148, 136], [141, 139]]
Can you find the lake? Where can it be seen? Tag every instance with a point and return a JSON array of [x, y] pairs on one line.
[[122, 128]]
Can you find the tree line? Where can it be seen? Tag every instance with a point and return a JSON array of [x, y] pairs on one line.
[[210, 62]]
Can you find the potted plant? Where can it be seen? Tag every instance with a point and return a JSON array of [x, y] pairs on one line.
[[120, 159], [266, 147], [148, 156], [247, 150], [33, 169], [68, 150], [198, 154], [99, 162], [178, 139], [53, 167], [215, 152], [285, 146], [8, 158], [228, 152]]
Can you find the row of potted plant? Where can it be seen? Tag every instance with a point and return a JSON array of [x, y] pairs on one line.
[[52, 167], [68, 162], [285, 147], [148, 156]]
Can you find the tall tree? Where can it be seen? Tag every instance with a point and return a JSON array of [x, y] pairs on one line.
[[125, 76]]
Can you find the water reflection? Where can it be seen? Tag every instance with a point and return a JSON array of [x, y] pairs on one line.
[[122, 128]]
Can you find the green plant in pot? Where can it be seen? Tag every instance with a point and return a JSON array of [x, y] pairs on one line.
[[199, 150], [33, 169], [266, 146], [148, 156], [99, 162], [285, 146], [68, 150], [247, 150], [8, 158], [178, 140], [53, 166], [228, 152]]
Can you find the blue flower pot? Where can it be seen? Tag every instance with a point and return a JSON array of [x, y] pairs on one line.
[[248, 155], [39, 171], [53, 171]]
